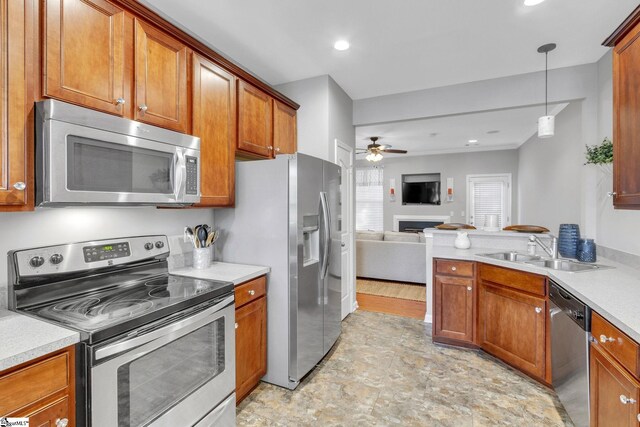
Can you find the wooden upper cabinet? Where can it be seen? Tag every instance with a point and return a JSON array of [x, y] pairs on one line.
[[161, 79], [84, 49], [16, 104], [511, 326], [626, 125], [284, 129], [214, 121], [613, 393], [254, 121]]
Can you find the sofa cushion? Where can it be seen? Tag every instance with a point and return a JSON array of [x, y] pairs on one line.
[[399, 236], [369, 235]]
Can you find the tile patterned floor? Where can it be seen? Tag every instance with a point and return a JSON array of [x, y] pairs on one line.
[[385, 371]]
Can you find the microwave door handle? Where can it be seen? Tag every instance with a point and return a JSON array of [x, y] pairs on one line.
[[128, 344], [179, 182]]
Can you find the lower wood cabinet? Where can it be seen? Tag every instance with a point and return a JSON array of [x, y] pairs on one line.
[[454, 302], [43, 390], [251, 335], [614, 393]]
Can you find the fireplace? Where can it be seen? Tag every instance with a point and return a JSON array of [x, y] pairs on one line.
[[416, 223]]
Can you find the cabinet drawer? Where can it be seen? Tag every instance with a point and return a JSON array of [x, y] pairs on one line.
[[34, 382], [454, 268], [250, 291], [621, 347], [528, 282]]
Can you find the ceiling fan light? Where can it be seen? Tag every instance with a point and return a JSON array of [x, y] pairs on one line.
[[546, 126], [377, 157]]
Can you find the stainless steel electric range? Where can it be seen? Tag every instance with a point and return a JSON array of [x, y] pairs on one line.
[[155, 350]]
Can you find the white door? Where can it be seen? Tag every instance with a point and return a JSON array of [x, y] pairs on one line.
[[344, 159], [489, 194]]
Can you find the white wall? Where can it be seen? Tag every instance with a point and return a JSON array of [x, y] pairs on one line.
[[20, 230], [340, 118], [456, 166], [550, 172], [615, 227]]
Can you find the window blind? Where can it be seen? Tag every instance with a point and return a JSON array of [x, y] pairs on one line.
[[369, 199], [489, 195]]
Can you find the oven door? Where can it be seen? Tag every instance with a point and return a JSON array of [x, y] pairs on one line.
[[83, 165], [171, 375]]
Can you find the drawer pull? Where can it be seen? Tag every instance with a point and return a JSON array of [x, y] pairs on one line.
[[469, 288], [605, 339], [453, 268], [62, 422], [236, 325], [626, 400], [538, 310], [252, 292]]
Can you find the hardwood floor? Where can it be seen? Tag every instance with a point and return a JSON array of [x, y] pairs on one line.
[[389, 302]]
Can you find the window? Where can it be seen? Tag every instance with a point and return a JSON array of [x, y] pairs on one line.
[[369, 198], [489, 194]]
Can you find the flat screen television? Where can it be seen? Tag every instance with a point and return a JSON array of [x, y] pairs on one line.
[[421, 193]]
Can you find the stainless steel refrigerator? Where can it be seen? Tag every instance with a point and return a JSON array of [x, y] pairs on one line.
[[287, 217]]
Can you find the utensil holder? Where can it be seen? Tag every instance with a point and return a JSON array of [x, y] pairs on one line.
[[202, 258]]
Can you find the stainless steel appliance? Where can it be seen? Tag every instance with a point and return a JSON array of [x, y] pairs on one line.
[[87, 157], [287, 216], [156, 349], [570, 330]]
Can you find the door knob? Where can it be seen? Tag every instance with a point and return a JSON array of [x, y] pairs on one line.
[[453, 268], [343, 244], [277, 149], [120, 101], [270, 147], [143, 108], [606, 339], [612, 194], [62, 422], [469, 288], [538, 310], [252, 292], [20, 186], [626, 400], [236, 325]]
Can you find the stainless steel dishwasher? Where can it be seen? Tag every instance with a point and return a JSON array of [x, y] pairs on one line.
[[570, 328]]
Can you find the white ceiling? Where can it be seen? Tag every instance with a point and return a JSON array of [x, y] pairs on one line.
[[452, 133], [399, 46]]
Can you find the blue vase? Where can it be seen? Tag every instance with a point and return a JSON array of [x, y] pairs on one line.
[[568, 237], [586, 250]]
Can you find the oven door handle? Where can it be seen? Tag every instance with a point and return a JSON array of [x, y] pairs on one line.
[[131, 343]]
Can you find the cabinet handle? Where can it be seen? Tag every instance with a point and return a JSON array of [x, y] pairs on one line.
[[236, 325], [638, 417], [605, 339], [469, 288], [120, 101], [252, 292], [453, 268], [20, 185], [538, 310], [62, 422], [626, 400], [143, 108], [270, 147], [277, 149], [612, 193]]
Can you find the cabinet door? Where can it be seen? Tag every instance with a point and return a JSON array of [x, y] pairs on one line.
[[16, 103], [50, 415], [254, 121], [84, 54], [284, 129], [162, 97], [512, 327], [626, 126], [613, 392], [251, 346], [214, 121], [453, 308]]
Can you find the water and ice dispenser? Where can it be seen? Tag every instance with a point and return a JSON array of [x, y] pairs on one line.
[[310, 236]]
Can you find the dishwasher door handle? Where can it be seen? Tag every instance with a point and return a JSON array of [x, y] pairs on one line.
[[554, 311]]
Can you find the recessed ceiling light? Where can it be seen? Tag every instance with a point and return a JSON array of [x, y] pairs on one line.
[[473, 141], [341, 45], [532, 2]]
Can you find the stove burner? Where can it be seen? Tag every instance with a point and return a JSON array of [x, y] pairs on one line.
[[119, 309], [77, 306], [163, 281]]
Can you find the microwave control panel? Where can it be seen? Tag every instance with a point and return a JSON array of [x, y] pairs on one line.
[[192, 175], [106, 251]]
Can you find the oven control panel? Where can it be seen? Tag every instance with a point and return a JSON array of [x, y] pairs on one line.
[[106, 251]]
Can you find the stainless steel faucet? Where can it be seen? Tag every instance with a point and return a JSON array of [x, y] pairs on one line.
[[551, 251]]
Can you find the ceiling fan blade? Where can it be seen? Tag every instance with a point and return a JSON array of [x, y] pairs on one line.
[[392, 150]]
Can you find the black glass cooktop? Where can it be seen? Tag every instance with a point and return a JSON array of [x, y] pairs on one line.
[[111, 311]]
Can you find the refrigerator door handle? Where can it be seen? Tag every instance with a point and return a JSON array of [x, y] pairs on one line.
[[326, 223]]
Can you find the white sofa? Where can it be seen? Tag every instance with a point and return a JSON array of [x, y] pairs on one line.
[[391, 255]]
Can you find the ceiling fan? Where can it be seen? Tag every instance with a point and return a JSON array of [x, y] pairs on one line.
[[374, 150]]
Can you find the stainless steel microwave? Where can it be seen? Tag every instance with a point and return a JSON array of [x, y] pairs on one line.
[[84, 157]]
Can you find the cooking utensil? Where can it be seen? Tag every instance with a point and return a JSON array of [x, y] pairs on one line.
[[188, 231], [201, 234]]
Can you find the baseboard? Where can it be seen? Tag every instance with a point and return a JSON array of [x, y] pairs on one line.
[[427, 318]]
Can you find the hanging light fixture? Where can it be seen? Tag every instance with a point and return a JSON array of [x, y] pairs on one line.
[[374, 157], [546, 123]]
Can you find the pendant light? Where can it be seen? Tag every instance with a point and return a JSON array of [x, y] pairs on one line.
[[546, 123]]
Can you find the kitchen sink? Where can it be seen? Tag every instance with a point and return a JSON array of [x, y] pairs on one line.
[[512, 256], [566, 265]]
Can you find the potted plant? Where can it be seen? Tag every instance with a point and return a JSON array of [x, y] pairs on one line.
[[600, 155]]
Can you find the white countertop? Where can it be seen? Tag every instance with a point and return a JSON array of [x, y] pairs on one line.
[[613, 293], [24, 338], [224, 271]]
